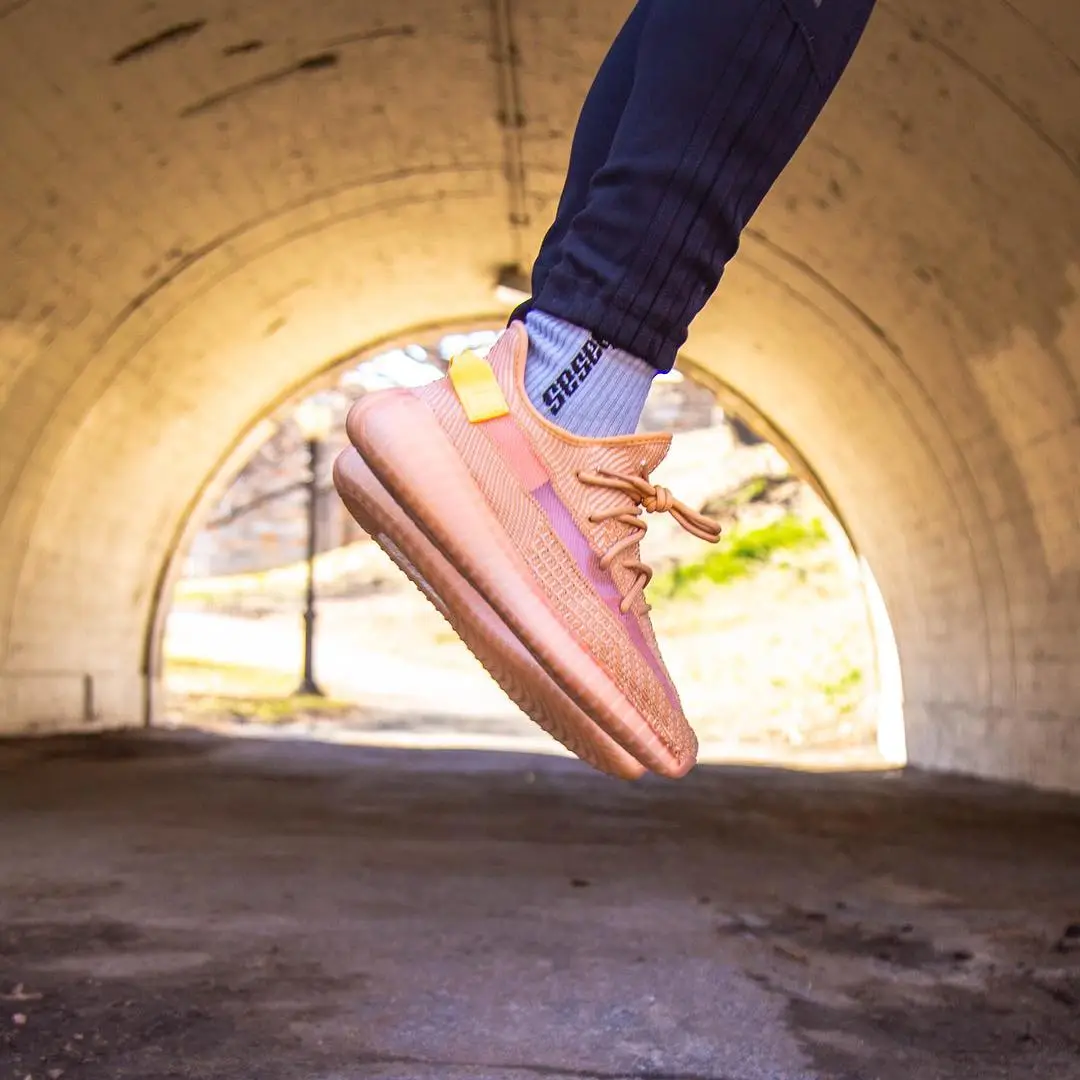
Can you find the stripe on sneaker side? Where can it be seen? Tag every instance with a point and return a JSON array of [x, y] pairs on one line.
[[534, 476]]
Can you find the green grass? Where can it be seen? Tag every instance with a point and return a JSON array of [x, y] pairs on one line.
[[342, 570], [200, 675], [842, 693], [264, 710], [254, 694], [197, 664], [737, 556], [752, 489]]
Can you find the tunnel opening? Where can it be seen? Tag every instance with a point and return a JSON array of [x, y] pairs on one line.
[[778, 639]]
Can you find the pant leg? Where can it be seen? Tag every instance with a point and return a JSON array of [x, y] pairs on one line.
[[724, 91], [593, 136]]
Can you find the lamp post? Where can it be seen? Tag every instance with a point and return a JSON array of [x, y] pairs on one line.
[[313, 417]]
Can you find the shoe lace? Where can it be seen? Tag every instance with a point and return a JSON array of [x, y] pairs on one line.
[[653, 499]]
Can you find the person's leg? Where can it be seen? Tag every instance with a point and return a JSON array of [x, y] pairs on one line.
[[723, 94], [593, 136], [546, 527]]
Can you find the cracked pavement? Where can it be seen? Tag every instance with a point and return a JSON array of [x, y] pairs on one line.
[[185, 906]]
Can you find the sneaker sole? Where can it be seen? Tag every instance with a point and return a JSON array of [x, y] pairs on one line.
[[473, 620], [414, 460]]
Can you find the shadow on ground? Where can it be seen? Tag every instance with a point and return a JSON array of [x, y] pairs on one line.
[[183, 906]]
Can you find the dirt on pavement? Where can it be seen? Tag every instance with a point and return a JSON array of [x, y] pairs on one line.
[[188, 907]]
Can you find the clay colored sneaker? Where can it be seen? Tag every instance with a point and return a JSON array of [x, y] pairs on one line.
[[480, 628], [545, 526]]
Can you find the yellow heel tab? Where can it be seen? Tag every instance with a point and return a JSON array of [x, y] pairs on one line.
[[477, 388]]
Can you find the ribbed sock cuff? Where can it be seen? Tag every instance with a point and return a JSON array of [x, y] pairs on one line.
[[582, 382]]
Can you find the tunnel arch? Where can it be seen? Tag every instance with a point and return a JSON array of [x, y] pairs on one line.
[[190, 230], [885, 682]]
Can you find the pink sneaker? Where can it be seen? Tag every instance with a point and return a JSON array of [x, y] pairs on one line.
[[480, 628], [545, 526]]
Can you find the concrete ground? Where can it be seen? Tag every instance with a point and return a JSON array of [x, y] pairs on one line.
[[180, 906]]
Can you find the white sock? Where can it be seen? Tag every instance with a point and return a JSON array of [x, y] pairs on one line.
[[585, 385]]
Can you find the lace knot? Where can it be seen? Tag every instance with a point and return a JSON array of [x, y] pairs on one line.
[[658, 501]]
